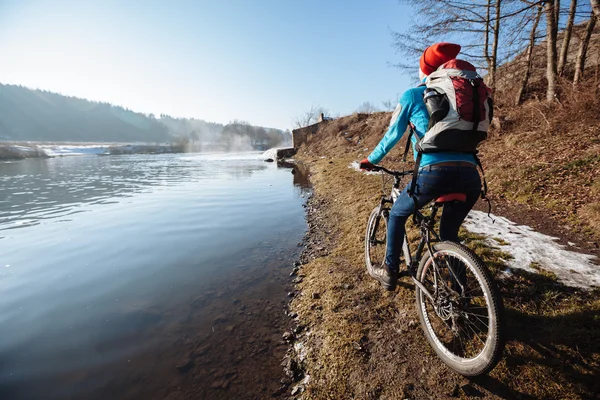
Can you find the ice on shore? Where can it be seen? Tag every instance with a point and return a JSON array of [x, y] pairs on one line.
[[528, 247], [74, 150], [269, 154], [61, 150]]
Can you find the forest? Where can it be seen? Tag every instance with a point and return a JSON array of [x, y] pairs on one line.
[[42, 116]]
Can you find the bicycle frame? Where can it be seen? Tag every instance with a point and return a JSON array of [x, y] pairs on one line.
[[426, 226]]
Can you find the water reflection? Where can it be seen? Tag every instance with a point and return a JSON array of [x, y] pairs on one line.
[[37, 189], [301, 174], [115, 270]]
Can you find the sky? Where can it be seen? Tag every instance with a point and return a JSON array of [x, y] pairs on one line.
[[261, 61]]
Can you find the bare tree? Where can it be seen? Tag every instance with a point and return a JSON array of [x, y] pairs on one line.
[[583, 46], [551, 32], [494, 58], [438, 20], [309, 117], [389, 105], [367, 107], [486, 44], [482, 26], [564, 50], [530, 48]]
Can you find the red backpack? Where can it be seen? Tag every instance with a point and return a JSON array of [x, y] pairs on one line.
[[460, 109]]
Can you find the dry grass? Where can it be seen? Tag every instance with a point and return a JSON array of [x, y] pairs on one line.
[[364, 341], [548, 156]]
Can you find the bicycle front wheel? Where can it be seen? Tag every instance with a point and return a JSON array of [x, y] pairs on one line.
[[463, 321], [376, 238]]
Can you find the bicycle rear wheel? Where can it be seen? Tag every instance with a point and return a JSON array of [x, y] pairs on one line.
[[376, 238], [464, 321]]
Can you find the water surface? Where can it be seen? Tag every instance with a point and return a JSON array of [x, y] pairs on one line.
[[122, 276]]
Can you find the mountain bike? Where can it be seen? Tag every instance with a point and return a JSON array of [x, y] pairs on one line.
[[459, 305]]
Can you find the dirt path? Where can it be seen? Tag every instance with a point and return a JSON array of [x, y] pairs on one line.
[[544, 222], [358, 341]]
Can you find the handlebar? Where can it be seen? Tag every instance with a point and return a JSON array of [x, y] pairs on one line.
[[397, 174]]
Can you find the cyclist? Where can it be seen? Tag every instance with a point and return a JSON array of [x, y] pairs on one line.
[[439, 173]]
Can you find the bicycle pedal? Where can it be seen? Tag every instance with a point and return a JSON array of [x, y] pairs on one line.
[[404, 273]]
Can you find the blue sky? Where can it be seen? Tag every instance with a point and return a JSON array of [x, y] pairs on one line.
[[263, 61]]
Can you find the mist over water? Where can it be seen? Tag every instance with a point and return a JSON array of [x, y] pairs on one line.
[[107, 262]]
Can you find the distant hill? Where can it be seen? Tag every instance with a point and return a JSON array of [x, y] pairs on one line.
[[37, 115]]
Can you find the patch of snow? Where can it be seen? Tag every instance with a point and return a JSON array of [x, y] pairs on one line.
[[271, 153], [300, 350], [70, 150], [21, 148], [306, 380], [528, 246]]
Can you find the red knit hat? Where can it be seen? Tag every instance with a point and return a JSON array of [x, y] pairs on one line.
[[437, 54]]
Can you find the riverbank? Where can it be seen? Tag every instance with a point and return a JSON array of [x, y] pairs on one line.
[[359, 341], [21, 151], [9, 152]]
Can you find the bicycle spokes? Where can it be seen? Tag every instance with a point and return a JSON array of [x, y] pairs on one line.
[[458, 313]]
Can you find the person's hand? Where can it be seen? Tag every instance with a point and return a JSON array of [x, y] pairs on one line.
[[366, 165]]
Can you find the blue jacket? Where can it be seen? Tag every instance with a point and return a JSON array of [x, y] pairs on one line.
[[411, 108]]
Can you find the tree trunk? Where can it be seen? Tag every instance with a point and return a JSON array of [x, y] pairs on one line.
[[550, 50], [532, 36], [596, 7], [495, 46], [562, 59], [583, 46], [486, 46]]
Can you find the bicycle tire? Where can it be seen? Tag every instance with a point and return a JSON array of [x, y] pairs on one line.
[[375, 251], [462, 322]]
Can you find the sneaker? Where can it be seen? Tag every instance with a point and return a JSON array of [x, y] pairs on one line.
[[385, 275]]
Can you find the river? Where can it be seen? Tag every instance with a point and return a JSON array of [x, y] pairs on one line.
[[145, 276]]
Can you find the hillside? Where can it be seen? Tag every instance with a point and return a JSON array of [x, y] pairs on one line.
[[542, 163], [36, 115], [357, 341], [510, 74], [545, 157]]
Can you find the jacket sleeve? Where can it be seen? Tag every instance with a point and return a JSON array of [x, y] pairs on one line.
[[396, 129]]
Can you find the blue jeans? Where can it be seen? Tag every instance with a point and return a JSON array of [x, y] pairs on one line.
[[432, 183]]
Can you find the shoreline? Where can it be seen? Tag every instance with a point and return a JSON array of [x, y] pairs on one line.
[[21, 151]]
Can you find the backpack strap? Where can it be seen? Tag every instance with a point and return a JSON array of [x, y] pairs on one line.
[[484, 188], [411, 189], [413, 183], [411, 132], [413, 186], [476, 111]]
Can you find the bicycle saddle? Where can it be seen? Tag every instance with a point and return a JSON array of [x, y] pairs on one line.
[[451, 197]]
